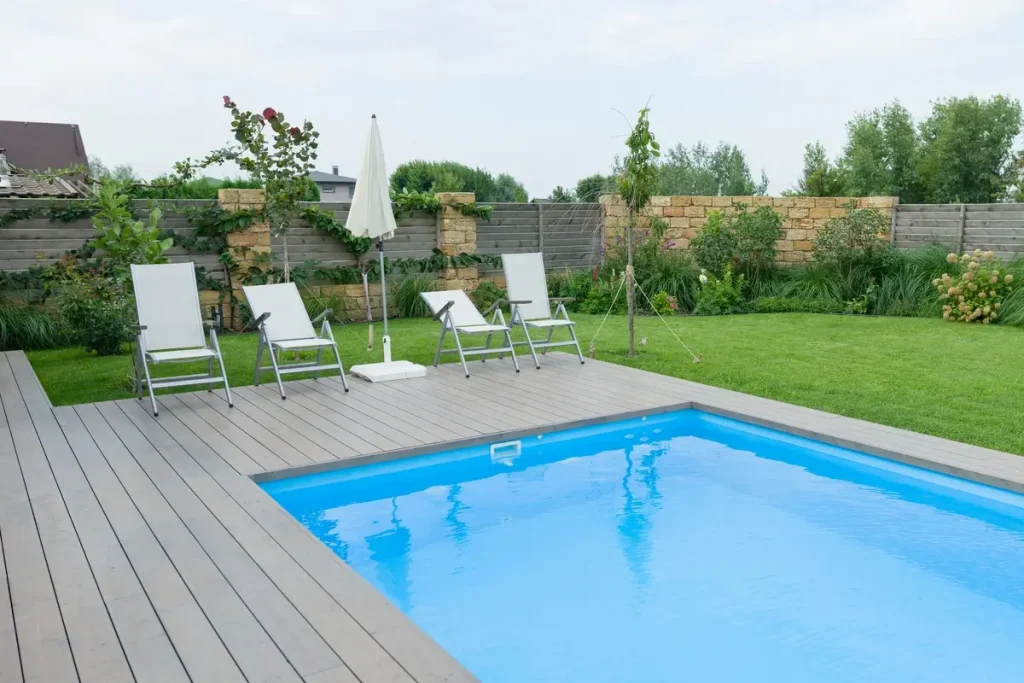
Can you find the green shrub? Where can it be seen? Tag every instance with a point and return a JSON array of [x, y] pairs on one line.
[[852, 239], [407, 297], [571, 284], [671, 271], [97, 311], [782, 304], [756, 233], [486, 293], [316, 305], [601, 296], [26, 328], [714, 247], [720, 295], [122, 239], [664, 304], [976, 293]]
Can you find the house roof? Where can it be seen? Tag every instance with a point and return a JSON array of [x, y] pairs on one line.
[[321, 177], [24, 186], [40, 146]]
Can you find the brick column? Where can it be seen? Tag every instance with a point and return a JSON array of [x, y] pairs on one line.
[[249, 247], [457, 235]]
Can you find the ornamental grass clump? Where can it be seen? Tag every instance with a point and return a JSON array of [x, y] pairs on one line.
[[976, 293]]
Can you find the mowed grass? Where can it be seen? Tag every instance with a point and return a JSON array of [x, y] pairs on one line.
[[961, 382]]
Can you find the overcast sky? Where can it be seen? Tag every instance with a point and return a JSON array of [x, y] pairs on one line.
[[525, 87]]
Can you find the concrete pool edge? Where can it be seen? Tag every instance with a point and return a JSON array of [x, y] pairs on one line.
[[836, 430]]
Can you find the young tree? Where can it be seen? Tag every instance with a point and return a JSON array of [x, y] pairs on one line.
[[703, 171], [562, 195], [967, 149], [821, 177], [882, 154], [637, 183]]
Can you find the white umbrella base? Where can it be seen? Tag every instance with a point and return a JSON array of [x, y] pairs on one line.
[[386, 372]]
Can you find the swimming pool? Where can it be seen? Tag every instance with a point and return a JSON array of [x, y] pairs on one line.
[[685, 547]]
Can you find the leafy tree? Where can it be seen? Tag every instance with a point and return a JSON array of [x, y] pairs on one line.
[[967, 149], [508, 189], [589, 189], [562, 195], [703, 171], [882, 155], [451, 176], [637, 183], [821, 177]]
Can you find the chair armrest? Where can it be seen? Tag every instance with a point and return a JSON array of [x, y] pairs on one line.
[[521, 302], [562, 299], [496, 304], [444, 309], [139, 328], [326, 312], [262, 319]]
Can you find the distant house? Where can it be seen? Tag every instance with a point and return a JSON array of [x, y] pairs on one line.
[[27, 146], [334, 187]]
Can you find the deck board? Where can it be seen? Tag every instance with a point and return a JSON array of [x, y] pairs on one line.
[[135, 548]]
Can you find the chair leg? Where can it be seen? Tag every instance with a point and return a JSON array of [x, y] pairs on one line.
[[259, 361], [462, 357], [319, 357], [551, 332], [277, 372], [341, 368], [140, 360], [149, 385], [579, 352], [224, 374], [486, 344], [511, 349], [440, 344], [209, 372], [529, 343]]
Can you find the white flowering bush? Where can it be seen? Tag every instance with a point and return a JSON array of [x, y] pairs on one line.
[[976, 291]]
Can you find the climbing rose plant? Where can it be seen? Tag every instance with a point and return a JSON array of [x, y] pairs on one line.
[[976, 292]]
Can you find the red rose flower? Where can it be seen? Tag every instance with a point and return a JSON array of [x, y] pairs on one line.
[[227, 100], [294, 130], [269, 113]]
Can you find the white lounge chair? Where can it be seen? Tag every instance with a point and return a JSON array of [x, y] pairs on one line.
[[531, 308], [283, 324], [458, 315], [170, 328]]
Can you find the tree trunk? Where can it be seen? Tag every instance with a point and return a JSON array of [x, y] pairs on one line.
[[630, 289]]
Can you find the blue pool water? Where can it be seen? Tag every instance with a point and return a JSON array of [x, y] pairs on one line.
[[685, 547]]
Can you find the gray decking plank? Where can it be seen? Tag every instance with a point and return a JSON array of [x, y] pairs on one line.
[[287, 643], [415, 393], [44, 648], [468, 404], [313, 419], [365, 403], [95, 644], [10, 660], [146, 645], [242, 438], [272, 406], [248, 408], [214, 481], [428, 411], [205, 656], [268, 439], [322, 399], [357, 424]]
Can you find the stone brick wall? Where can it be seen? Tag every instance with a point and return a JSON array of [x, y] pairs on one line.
[[457, 236], [802, 217]]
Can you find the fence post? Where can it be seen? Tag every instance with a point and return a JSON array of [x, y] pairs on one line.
[[540, 226], [963, 227], [892, 227]]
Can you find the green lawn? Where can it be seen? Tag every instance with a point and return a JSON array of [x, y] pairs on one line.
[[957, 381]]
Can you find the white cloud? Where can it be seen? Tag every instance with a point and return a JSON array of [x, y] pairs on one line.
[[524, 87]]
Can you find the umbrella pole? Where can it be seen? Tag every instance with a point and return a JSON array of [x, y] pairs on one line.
[[384, 302]]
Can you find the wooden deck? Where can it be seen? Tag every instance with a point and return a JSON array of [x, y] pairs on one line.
[[135, 548]]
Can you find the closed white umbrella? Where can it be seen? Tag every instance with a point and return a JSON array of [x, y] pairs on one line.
[[371, 216]]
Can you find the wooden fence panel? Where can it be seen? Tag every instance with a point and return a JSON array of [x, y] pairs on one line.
[[568, 234], [962, 227]]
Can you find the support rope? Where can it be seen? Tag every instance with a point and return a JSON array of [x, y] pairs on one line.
[[696, 358]]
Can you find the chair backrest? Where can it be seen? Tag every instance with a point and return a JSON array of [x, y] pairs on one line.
[[288, 318], [525, 281], [167, 301], [464, 313]]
